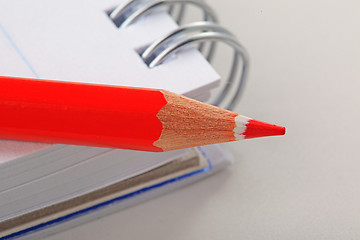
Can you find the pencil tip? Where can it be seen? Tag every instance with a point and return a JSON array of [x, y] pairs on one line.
[[256, 129]]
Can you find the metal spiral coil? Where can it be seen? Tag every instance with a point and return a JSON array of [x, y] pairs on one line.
[[205, 31]]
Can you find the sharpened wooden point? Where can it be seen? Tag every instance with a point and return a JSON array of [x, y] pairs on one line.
[[188, 123]]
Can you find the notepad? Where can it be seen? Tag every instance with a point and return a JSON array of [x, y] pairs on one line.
[[47, 186], [59, 44]]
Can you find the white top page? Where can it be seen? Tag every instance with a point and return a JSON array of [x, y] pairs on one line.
[[76, 41]]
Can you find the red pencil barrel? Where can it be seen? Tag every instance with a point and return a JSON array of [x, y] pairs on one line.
[[80, 114]]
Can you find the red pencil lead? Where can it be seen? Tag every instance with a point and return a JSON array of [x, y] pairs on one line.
[[250, 128]]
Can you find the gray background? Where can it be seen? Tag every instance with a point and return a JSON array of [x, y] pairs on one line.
[[305, 75]]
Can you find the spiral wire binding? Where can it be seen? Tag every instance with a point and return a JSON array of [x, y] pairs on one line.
[[199, 32], [131, 10], [153, 50]]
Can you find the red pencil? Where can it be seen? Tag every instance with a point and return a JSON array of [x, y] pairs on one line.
[[117, 117]]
